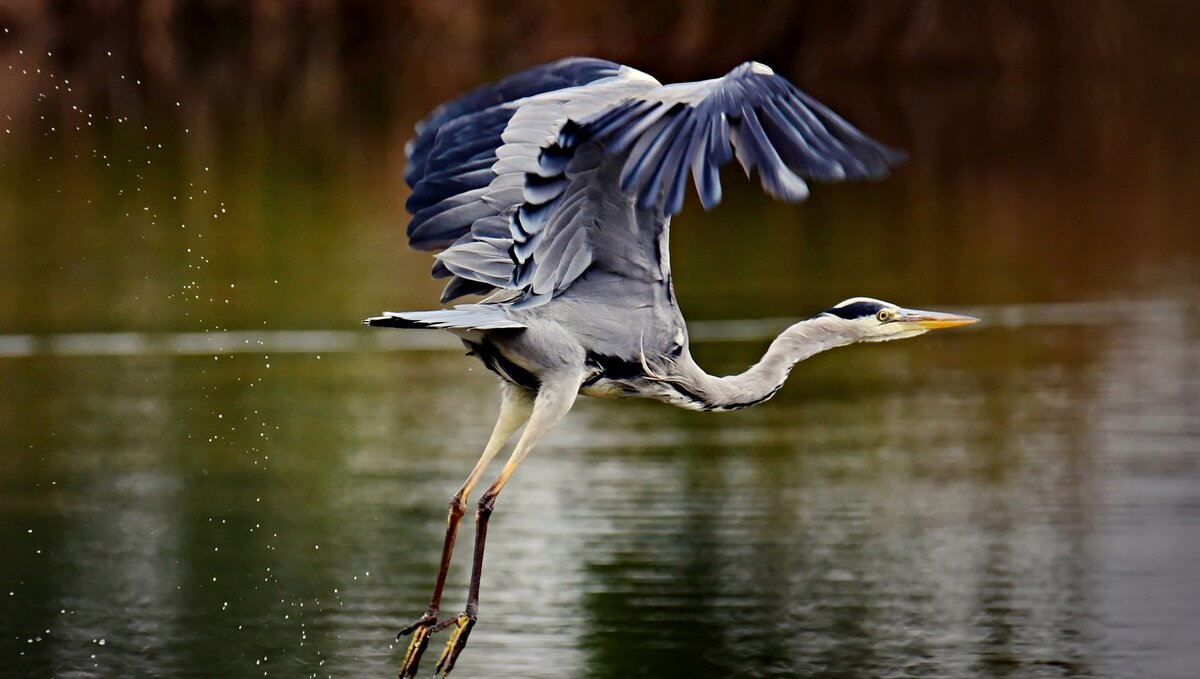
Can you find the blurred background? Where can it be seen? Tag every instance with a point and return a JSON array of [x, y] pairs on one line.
[[207, 468]]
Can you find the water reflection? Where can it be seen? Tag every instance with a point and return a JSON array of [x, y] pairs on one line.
[[994, 504]]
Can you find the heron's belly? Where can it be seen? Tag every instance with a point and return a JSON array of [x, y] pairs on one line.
[[607, 389]]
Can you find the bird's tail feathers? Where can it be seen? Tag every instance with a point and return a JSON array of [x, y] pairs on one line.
[[462, 317]]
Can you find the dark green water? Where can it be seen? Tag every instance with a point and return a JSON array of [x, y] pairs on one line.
[[1021, 499]]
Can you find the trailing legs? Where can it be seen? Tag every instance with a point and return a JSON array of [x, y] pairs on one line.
[[551, 404], [515, 409]]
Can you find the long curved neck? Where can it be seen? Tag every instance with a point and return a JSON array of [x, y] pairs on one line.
[[763, 379]]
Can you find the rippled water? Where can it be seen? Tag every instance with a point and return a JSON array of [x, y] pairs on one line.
[[207, 470], [991, 503]]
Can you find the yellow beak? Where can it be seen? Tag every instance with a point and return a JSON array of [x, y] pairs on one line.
[[933, 320]]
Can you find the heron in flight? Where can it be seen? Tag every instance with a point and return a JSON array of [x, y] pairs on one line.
[[550, 193]]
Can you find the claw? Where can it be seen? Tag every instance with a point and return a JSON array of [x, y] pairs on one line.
[[420, 631], [426, 620], [455, 644]]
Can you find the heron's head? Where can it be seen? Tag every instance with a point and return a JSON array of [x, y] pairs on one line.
[[873, 320]]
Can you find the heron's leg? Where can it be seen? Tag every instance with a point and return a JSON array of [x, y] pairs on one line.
[[552, 403], [514, 411]]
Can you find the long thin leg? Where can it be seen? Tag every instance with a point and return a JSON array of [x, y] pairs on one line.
[[514, 411], [552, 403]]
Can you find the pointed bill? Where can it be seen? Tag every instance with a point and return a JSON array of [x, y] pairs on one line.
[[933, 320]]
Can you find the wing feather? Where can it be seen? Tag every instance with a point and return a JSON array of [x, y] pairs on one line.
[[557, 75], [511, 180]]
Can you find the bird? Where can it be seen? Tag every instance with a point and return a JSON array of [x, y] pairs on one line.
[[549, 195]]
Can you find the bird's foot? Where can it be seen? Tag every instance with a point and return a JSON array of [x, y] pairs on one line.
[[420, 631], [455, 644]]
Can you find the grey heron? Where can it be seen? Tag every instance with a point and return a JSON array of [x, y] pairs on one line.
[[550, 193]]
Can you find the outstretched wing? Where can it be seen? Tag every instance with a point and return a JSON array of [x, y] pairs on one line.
[[450, 161], [751, 114], [533, 227], [471, 136]]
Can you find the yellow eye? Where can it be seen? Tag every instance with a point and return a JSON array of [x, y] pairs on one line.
[[884, 315]]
